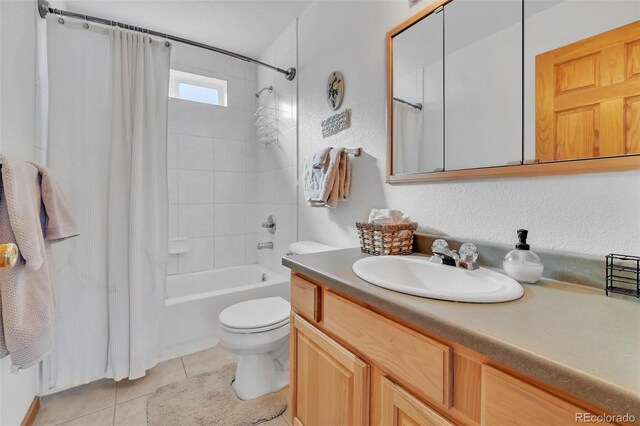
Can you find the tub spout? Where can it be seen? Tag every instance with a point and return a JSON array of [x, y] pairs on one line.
[[267, 245]]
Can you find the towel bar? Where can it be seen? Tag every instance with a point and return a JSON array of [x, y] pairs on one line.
[[8, 255], [356, 152]]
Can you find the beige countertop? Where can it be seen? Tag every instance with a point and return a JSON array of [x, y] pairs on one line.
[[569, 336]]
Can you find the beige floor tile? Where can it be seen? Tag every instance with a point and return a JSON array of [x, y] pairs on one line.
[[287, 414], [207, 360], [132, 413], [100, 418], [76, 402], [278, 421], [160, 375]]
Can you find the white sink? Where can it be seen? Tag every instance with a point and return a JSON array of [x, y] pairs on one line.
[[419, 277]]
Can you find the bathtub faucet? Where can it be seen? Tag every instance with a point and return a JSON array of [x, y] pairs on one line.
[[268, 245]]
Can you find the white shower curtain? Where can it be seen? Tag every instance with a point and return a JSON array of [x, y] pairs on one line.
[[108, 96], [408, 138]]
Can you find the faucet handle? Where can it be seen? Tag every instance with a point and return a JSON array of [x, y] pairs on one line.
[[440, 246], [468, 256]]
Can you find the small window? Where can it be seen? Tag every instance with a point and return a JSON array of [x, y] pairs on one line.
[[197, 88]]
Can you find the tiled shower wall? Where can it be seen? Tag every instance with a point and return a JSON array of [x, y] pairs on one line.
[[209, 149], [272, 177]]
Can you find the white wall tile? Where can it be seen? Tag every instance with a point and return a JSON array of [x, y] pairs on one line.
[[195, 153], [284, 183], [172, 151], [284, 230], [229, 155], [173, 221], [196, 119], [199, 257], [195, 57], [266, 186], [230, 251], [195, 187], [254, 218], [195, 220], [172, 264], [172, 177], [172, 116], [229, 188], [251, 72], [229, 123], [251, 185], [230, 219], [224, 65], [251, 250], [236, 92]]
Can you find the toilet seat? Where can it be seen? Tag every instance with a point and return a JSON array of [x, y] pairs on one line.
[[256, 316], [255, 330]]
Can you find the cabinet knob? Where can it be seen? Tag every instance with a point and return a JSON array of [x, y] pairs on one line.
[[8, 255]]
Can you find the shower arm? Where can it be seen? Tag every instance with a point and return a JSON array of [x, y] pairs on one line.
[[44, 9]]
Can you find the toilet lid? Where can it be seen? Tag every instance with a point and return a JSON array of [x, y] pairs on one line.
[[256, 313]]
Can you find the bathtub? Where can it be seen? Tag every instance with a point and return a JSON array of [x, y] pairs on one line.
[[194, 302]]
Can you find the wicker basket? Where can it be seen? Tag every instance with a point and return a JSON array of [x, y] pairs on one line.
[[379, 239]]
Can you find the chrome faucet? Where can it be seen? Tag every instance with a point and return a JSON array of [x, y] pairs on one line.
[[443, 255], [267, 245]]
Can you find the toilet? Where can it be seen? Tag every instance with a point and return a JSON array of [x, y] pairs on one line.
[[257, 331]]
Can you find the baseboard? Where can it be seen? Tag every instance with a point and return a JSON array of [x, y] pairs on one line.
[[30, 417]]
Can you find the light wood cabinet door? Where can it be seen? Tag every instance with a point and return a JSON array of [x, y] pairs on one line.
[[507, 400], [400, 408], [330, 385], [588, 97]]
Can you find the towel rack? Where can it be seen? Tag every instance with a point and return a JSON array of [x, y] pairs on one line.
[[356, 152]]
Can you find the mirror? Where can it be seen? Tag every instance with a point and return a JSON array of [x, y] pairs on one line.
[[581, 80], [484, 88], [483, 76], [417, 97]]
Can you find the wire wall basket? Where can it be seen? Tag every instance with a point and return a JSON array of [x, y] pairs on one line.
[[623, 275], [266, 117]]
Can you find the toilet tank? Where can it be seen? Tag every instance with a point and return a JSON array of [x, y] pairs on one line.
[[305, 247]]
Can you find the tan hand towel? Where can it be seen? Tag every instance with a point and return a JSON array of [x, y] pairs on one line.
[[60, 221]]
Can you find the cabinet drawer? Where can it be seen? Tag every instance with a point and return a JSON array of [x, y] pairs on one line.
[[416, 361], [400, 408], [305, 298], [508, 400]]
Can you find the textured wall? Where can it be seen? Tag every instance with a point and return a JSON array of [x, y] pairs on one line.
[[594, 213], [17, 140]]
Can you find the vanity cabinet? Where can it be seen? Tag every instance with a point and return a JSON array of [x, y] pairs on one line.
[[353, 365], [331, 383]]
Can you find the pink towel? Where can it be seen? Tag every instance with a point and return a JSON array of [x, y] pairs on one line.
[[60, 222], [26, 293]]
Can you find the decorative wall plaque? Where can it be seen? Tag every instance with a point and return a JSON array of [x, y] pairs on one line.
[[336, 123], [335, 90]]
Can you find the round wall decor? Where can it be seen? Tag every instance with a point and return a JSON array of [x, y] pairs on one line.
[[335, 90]]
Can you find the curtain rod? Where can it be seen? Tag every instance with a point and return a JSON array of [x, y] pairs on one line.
[[417, 106], [44, 9]]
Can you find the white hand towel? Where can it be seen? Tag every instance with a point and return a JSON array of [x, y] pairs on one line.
[[387, 216]]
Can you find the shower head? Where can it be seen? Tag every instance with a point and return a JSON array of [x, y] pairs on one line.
[[270, 89]]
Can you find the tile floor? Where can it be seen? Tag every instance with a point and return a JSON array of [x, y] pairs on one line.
[[107, 403]]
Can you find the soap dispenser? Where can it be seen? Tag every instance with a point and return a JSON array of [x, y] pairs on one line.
[[522, 264]]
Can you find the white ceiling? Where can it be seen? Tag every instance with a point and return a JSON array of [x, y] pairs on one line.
[[245, 27]]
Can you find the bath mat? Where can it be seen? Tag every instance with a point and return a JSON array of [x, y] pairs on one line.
[[209, 399]]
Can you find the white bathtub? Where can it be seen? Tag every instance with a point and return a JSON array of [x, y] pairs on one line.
[[194, 302]]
